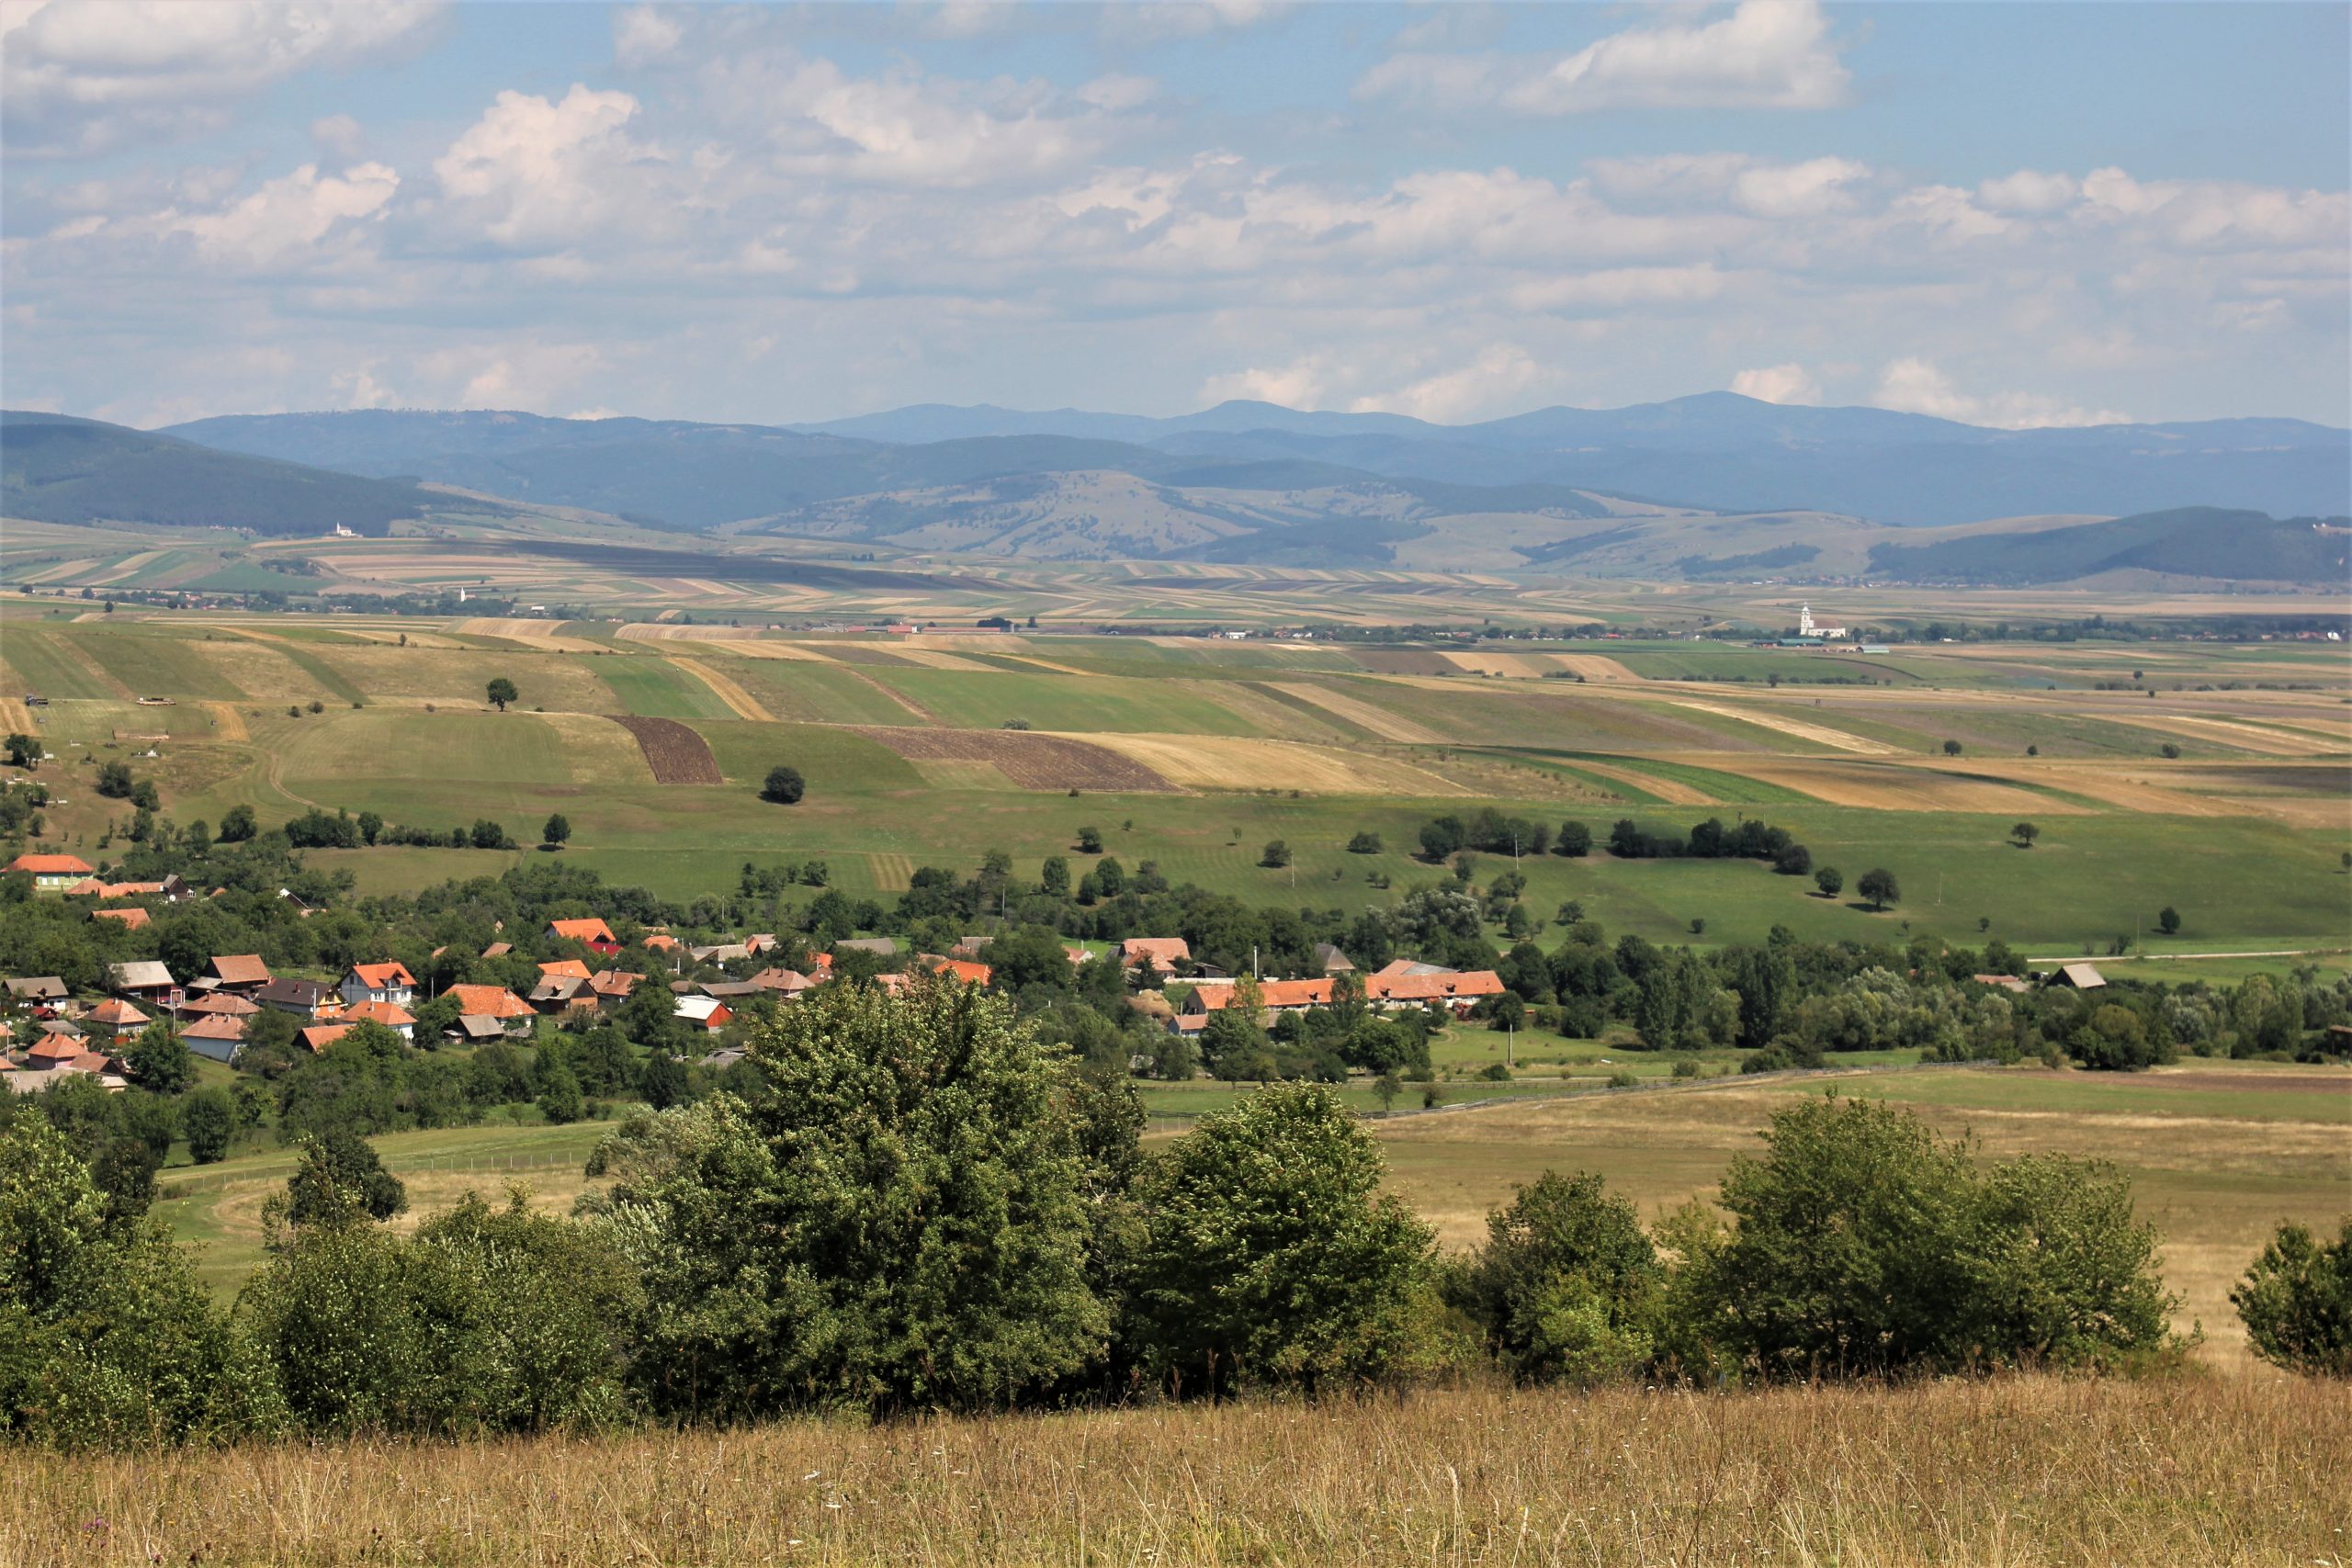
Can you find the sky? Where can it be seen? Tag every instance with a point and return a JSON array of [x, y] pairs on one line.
[[2012, 214]]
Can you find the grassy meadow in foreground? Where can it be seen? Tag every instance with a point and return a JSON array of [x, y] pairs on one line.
[[2012, 1472]]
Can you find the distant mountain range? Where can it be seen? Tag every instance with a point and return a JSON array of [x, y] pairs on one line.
[[1715, 452], [1256, 484]]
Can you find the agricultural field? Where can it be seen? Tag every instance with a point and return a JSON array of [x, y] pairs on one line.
[[1196, 752]]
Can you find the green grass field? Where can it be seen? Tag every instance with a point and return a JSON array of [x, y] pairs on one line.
[[2253, 868]]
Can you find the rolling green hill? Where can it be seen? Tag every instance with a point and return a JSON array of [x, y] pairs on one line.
[[58, 469], [2189, 541]]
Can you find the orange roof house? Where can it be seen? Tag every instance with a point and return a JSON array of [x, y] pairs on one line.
[[237, 971], [318, 1036], [660, 941], [1165, 952], [116, 1020], [133, 917], [392, 1015], [595, 933], [51, 874], [489, 1001], [964, 969], [568, 966]]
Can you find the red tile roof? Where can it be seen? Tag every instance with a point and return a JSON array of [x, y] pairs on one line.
[[51, 865], [217, 1026], [392, 1015], [489, 1001], [571, 966], [240, 970], [378, 976], [590, 930], [114, 1010], [133, 917]]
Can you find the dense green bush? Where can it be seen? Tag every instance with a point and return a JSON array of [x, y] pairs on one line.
[[2296, 1302], [894, 1221], [1269, 1256], [1568, 1287], [1862, 1243]]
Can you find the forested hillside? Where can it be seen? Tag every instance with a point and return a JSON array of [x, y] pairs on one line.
[[58, 469]]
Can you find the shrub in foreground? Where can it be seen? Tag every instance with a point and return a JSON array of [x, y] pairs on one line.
[[893, 1221], [2296, 1302], [1568, 1287], [1863, 1244], [1270, 1257]]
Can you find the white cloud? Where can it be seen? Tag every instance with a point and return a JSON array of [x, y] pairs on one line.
[[530, 174], [87, 75], [1494, 382], [643, 34], [1766, 54], [2027, 190], [1799, 190], [288, 220], [1116, 92], [1916, 386], [338, 136], [1778, 384], [1304, 384]]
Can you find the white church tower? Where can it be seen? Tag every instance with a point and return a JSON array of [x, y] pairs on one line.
[[1807, 627]]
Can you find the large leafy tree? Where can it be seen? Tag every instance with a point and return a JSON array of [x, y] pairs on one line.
[[1270, 1256], [896, 1218]]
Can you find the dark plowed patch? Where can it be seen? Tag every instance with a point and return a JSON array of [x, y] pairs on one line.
[[1033, 761], [677, 752]]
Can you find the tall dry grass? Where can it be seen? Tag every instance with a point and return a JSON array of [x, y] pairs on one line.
[[2028, 1471]]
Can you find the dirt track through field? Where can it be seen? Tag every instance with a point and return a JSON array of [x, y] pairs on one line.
[[677, 752], [227, 722], [744, 705], [1364, 716]]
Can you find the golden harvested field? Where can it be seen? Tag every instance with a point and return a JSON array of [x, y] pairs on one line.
[[1899, 786], [1804, 730], [2016, 1472], [1222, 761], [1366, 715], [1029, 759], [725, 688]]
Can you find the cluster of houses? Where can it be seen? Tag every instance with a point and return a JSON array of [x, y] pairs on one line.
[[1405, 983]]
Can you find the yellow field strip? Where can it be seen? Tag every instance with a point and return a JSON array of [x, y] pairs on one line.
[[1365, 716], [745, 704], [16, 717], [1803, 730], [1908, 789], [2231, 732], [1224, 761], [1671, 791], [228, 723]]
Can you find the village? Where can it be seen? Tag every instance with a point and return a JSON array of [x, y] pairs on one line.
[[51, 1032]]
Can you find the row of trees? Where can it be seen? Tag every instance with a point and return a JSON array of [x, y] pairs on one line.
[[919, 1206]]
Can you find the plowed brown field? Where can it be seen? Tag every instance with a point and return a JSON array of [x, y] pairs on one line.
[[677, 752]]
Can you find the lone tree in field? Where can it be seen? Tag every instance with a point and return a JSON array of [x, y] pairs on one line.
[[2025, 833], [1364, 843], [502, 691], [1878, 887], [1089, 841], [1277, 854], [1951, 748], [2168, 920], [1830, 880], [558, 831], [24, 750], [784, 785]]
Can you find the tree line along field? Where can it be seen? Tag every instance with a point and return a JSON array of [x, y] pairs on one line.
[[1196, 753]]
